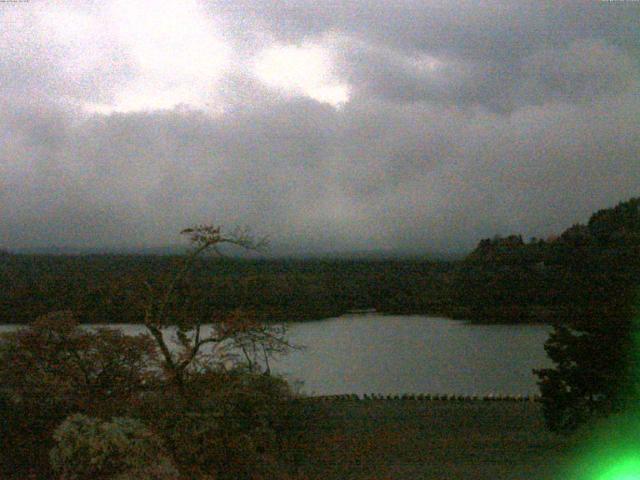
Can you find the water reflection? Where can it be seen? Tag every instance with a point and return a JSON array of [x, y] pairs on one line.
[[386, 354]]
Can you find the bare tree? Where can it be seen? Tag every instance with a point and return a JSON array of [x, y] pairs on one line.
[[238, 330]]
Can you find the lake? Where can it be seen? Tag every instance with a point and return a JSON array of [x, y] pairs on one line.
[[396, 354]]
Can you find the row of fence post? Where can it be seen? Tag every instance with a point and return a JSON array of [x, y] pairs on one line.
[[427, 397]]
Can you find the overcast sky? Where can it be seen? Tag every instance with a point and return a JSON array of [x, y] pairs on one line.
[[327, 125]]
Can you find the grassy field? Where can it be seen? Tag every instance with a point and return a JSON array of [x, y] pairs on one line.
[[411, 439]]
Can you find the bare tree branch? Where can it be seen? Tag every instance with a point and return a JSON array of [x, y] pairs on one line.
[[239, 332]]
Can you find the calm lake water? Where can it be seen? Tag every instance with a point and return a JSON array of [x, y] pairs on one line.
[[393, 354]]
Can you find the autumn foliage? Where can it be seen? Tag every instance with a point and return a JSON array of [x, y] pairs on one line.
[[197, 382]]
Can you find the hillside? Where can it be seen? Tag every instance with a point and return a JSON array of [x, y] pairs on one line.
[[586, 271]]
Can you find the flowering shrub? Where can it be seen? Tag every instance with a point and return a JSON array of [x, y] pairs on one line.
[[121, 449]]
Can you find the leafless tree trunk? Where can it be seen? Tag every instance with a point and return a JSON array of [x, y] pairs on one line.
[[238, 329]]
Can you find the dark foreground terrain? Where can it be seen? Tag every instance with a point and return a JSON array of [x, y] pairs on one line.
[[413, 439]]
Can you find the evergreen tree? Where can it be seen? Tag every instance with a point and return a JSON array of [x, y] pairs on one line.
[[595, 347]]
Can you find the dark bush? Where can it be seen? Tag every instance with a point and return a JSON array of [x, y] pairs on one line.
[[53, 369], [25, 437], [56, 361], [229, 425]]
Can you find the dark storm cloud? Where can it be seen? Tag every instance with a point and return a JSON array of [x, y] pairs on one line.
[[580, 71], [464, 120], [488, 30], [498, 54]]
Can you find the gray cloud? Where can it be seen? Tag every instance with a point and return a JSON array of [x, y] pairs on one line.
[[526, 122], [488, 30], [45, 60], [578, 72]]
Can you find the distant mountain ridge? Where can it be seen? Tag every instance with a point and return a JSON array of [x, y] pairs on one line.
[[168, 250]]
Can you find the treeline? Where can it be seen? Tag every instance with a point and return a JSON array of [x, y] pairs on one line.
[[587, 269], [111, 288], [502, 280]]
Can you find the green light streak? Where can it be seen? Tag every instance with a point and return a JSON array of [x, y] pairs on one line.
[[628, 469], [609, 449]]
